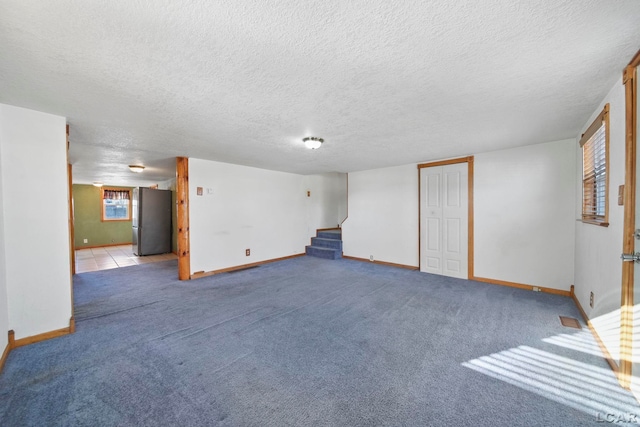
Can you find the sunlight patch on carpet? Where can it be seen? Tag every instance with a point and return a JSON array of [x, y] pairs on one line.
[[579, 385], [580, 341]]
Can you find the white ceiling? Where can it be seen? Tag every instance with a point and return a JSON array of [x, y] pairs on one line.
[[383, 82]]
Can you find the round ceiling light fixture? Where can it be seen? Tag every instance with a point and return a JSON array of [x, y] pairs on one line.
[[136, 168], [97, 184], [312, 142]]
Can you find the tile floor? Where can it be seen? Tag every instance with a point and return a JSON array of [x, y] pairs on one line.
[[95, 259]]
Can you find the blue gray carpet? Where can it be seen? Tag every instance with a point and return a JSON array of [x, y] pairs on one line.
[[309, 341]]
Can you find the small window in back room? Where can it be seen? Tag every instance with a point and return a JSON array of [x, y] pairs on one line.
[[116, 204], [595, 173]]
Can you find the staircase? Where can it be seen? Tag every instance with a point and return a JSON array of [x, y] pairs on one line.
[[327, 244]]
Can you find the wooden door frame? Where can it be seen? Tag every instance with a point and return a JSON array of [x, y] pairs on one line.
[[629, 79], [71, 226], [469, 161]]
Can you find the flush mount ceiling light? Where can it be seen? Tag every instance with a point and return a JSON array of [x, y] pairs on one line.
[[97, 184], [312, 142], [136, 168]]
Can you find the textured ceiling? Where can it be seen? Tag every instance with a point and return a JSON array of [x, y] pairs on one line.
[[383, 82]]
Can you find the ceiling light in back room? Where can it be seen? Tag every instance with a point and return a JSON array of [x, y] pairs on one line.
[[97, 184], [136, 168], [312, 142]]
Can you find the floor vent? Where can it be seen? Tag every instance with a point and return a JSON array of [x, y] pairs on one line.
[[570, 322]]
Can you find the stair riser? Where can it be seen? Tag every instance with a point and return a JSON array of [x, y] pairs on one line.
[[329, 235], [327, 243], [319, 253]]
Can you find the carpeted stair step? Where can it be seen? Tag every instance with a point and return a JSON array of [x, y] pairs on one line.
[[327, 243], [326, 253], [330, 234]]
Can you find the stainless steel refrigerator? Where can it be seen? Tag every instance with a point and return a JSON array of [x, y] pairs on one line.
[[151, 218]]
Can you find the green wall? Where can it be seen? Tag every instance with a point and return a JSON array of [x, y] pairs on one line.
[[88, 225]]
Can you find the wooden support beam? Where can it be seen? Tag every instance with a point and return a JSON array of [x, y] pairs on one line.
[[182, 209]]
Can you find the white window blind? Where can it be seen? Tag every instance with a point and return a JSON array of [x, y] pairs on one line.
[[594, 171]]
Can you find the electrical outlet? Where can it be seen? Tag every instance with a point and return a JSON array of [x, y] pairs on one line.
[[370, 257], [247, 252], [86, 240], [591, 300], [536, 289]]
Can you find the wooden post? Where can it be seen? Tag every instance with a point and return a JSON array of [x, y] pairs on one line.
[[182, 210]]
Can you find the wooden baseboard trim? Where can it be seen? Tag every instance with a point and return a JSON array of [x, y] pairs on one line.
[[327, 229], [102, 246], [6, 351], [40, 337], [612, 363], [389, 264], [521, 286], [199, 274], [15, 343]]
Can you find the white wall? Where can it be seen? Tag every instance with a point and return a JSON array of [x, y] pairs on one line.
[[343, 197], [36, 233], [598, 268], [326, 207], [169, 184], [524, 201], [4, 308], [250, 208], [383, 215], [513, 241]]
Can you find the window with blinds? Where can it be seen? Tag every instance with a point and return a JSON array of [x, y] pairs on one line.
[[595, 174]]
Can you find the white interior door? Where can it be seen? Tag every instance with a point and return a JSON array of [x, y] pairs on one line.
[[431, 252], [444, 220]]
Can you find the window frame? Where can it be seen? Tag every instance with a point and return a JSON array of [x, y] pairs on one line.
[[103, 206], [588, 217]]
